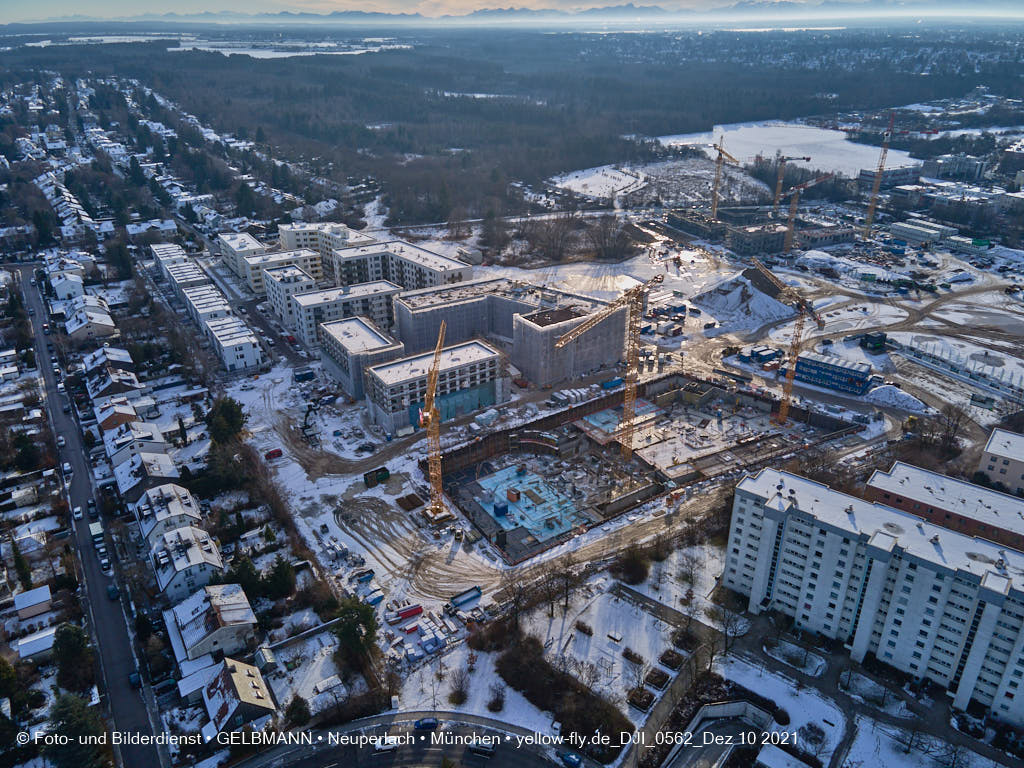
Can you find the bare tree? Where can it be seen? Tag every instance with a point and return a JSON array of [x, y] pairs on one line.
[[567, 578], [951, 420], [608, 239], [954, 756], [637, 674], [460, 686], [689, 564]]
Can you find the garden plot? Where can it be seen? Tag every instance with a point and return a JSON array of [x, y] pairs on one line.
[[307, 669], [597, 659], [865, 689], [805, 706], [797, 657], [428, 686]]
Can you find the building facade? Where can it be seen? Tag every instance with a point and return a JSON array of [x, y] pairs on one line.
[[1002, 461], [281, 284], [253, 267], [352, 345], [370, 300], [928, 601], [235, 343]]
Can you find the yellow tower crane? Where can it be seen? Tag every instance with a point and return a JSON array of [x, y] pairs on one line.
[[720, 160], [633, 300], [782, 160], [430, 417], [879, 171], [794, 203], [790, 295]]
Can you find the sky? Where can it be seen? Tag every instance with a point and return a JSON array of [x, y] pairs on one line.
[[22, 10]]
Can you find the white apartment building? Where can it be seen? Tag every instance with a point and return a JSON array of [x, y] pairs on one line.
[[1003, 459], [185, 560], [931, 602], [168, 254], [352, 345], [408, 265], [370, 300], [164, 508], [186, 275], [471, 376], [253, 266], [205, 302], [322, 237], [235, 247], [281, 283], [235, 343]]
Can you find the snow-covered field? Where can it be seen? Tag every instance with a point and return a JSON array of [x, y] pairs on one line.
[[738, 306], [601, 182], [859, 317], [886, 745], [828, 150], [799, 658]]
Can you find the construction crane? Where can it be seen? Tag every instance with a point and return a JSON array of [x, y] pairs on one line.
[[879, 171], [782, 160], [430, 418], [794, 203], [790, 295], [633, 300], [720, 160]]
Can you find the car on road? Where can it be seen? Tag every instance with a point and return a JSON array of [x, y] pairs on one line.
[[482, 748], [426, 724], [31, 312], [60, 386], [61, 442], [32, 281], [77, 513], [113, 592], [386, 744], [135, 680], [94, 511], [105, 565], [67, 408], [570, 759], [67, 470]]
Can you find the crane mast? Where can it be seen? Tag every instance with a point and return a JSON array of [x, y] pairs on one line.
[[879, 171], [633, 300], [778, 181], [722, 157], [794, 203], [430, 418]]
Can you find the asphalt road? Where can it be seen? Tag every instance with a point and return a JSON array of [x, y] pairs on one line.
[[107, 620]]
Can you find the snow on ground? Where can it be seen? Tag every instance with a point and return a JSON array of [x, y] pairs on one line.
[[830, 150], [617, 625], [859, 317], [889, 396], [880, 744], [375, 212], [966, 354], [852, 350], [421, 690], [738, 306], [868, 691], [601, 182], [307, 669], [797, 657], [803, 705]]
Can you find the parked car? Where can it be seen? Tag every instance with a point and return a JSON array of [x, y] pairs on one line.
[[66, 469], [61, 442], [113, 592], [483, 749], [135, 680], [570, 759], [386, 744], [426, 724], [77, 513]]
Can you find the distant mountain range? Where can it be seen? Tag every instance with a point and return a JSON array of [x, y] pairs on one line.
[[760, 9]]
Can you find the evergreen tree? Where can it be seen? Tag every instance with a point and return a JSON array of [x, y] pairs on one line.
[[71, 716]]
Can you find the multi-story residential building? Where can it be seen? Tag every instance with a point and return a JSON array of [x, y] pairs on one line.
[[185, 560], [236, 695], [955, 504], [168, 255], [185, 275], [352, 345], [1002, 461], [235, 247], [369, 300], [143, 471], [253, 267], [408, 265], [132, 439], [216, 618], [235, 343], [84, 324], [323, 237], [281, 283], [205, 302], [471, 376], [892, 176], [164, 508], [926, 600]]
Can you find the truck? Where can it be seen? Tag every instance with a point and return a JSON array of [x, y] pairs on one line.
[[96, 533]]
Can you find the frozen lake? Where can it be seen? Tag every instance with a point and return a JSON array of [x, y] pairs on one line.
[[828, 150]]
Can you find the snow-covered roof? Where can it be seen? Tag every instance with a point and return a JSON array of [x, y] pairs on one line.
[[947, 493], [240, 241], [32, 597], [181, 549], [346, 293], [164, 502], [116, 408], [129, 474], [771, 756], [106, 355], [38, 642], [131, 432], [83, 318], [885, 528], [1005, 444], [235, 683], [356, 334], [204, 612], [417, 366]]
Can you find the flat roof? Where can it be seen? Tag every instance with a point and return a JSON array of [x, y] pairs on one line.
[[838, 362], [423, 256], [231, 330], [346, 292], [357, 334], [1007, 444], [289, 270], [273, 256], [546, 317], [886, 527], [240, 241], [418, 366], [997, 509]]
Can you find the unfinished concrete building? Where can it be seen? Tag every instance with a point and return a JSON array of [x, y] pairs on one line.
[[535, 354]]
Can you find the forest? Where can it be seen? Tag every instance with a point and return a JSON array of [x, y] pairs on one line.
[[450, 120]]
